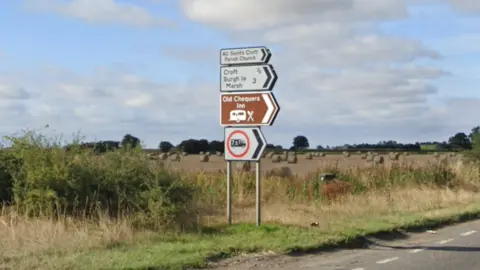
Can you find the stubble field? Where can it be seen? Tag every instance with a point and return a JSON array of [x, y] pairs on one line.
[[306, 166]]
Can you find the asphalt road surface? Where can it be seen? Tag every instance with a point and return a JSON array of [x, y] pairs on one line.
[[449, 248]]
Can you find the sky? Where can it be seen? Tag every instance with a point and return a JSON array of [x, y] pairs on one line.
[[350, 71]]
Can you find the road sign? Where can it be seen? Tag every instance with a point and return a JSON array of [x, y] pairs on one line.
[[247, 78], [248, 55], [248, 109], [244, 143]]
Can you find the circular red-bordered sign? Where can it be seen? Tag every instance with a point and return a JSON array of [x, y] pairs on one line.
[[229, 145]]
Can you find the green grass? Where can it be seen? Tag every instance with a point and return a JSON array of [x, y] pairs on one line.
[[194, 250]]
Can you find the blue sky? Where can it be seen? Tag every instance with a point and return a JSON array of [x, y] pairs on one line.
[[406, 71]]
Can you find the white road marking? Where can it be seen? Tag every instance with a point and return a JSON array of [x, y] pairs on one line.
[[416, 250], [468, 233], [387, 260], [445, 241], [358, 269]]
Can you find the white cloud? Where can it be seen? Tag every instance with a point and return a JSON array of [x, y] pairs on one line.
[[100, 12], [113, 101], [8, 91], [336, 67], [468, 6], [252, 14]]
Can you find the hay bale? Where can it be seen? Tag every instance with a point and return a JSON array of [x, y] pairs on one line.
[[406, 154], [218, 153], [359, 152], [346, 154], [175, 157], [171, 153], [309, 156], [369, 158], [244, 166], [208, 153], [184, 154], [270, 155], [204, 158], [276, 159], [321, 154], [292, 159], [284, 172], [436, 154], [363, 156], [453, 154], [164, 156], [378, 160], [202, 153], [394, 156]]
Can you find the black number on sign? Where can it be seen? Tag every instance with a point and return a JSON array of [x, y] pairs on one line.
[[254, 80]]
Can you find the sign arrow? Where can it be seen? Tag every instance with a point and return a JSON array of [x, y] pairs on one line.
[[248, 109], [247, 78], [246, 55], [244, 143]]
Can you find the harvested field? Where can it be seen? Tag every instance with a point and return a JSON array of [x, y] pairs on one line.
[[304, 165]]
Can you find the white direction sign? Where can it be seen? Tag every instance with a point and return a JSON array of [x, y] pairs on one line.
[[247, 78], [244, 143], [248, 55]]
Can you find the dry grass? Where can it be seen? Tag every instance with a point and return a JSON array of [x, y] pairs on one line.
[[43, 243], [353, 207]]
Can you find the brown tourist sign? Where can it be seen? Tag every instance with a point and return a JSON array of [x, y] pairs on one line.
[[248, 109]]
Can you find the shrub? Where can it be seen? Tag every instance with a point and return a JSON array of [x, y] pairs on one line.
[[48, 180]]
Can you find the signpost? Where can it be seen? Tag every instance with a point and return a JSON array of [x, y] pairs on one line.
[[244, 144], [247, 55], [247, 78], [248, 104], [248, 109]]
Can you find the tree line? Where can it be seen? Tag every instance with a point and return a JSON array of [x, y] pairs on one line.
[[459, 141]]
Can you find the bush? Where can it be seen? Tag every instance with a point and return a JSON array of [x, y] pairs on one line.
[[48, 180]]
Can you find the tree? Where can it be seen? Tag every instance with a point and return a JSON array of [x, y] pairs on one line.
[[203, 145], [130, 141], [193, 146], [216, 146], [300, 142], [165, 147], [319, 147], [460, 141], [473, 136]]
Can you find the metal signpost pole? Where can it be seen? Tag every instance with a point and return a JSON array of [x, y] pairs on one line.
[[246, 80], [229, 192], [258, 193]]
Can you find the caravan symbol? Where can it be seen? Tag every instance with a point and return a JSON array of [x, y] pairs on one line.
[[238, 115], [238, 143]]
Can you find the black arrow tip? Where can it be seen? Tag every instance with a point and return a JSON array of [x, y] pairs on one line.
[[264, 54], [256, 154], [269, 77]]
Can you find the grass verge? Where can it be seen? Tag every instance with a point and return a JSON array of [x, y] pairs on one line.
[[48, 244]]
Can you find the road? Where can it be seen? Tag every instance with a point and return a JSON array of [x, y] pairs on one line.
[[449, 248]]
